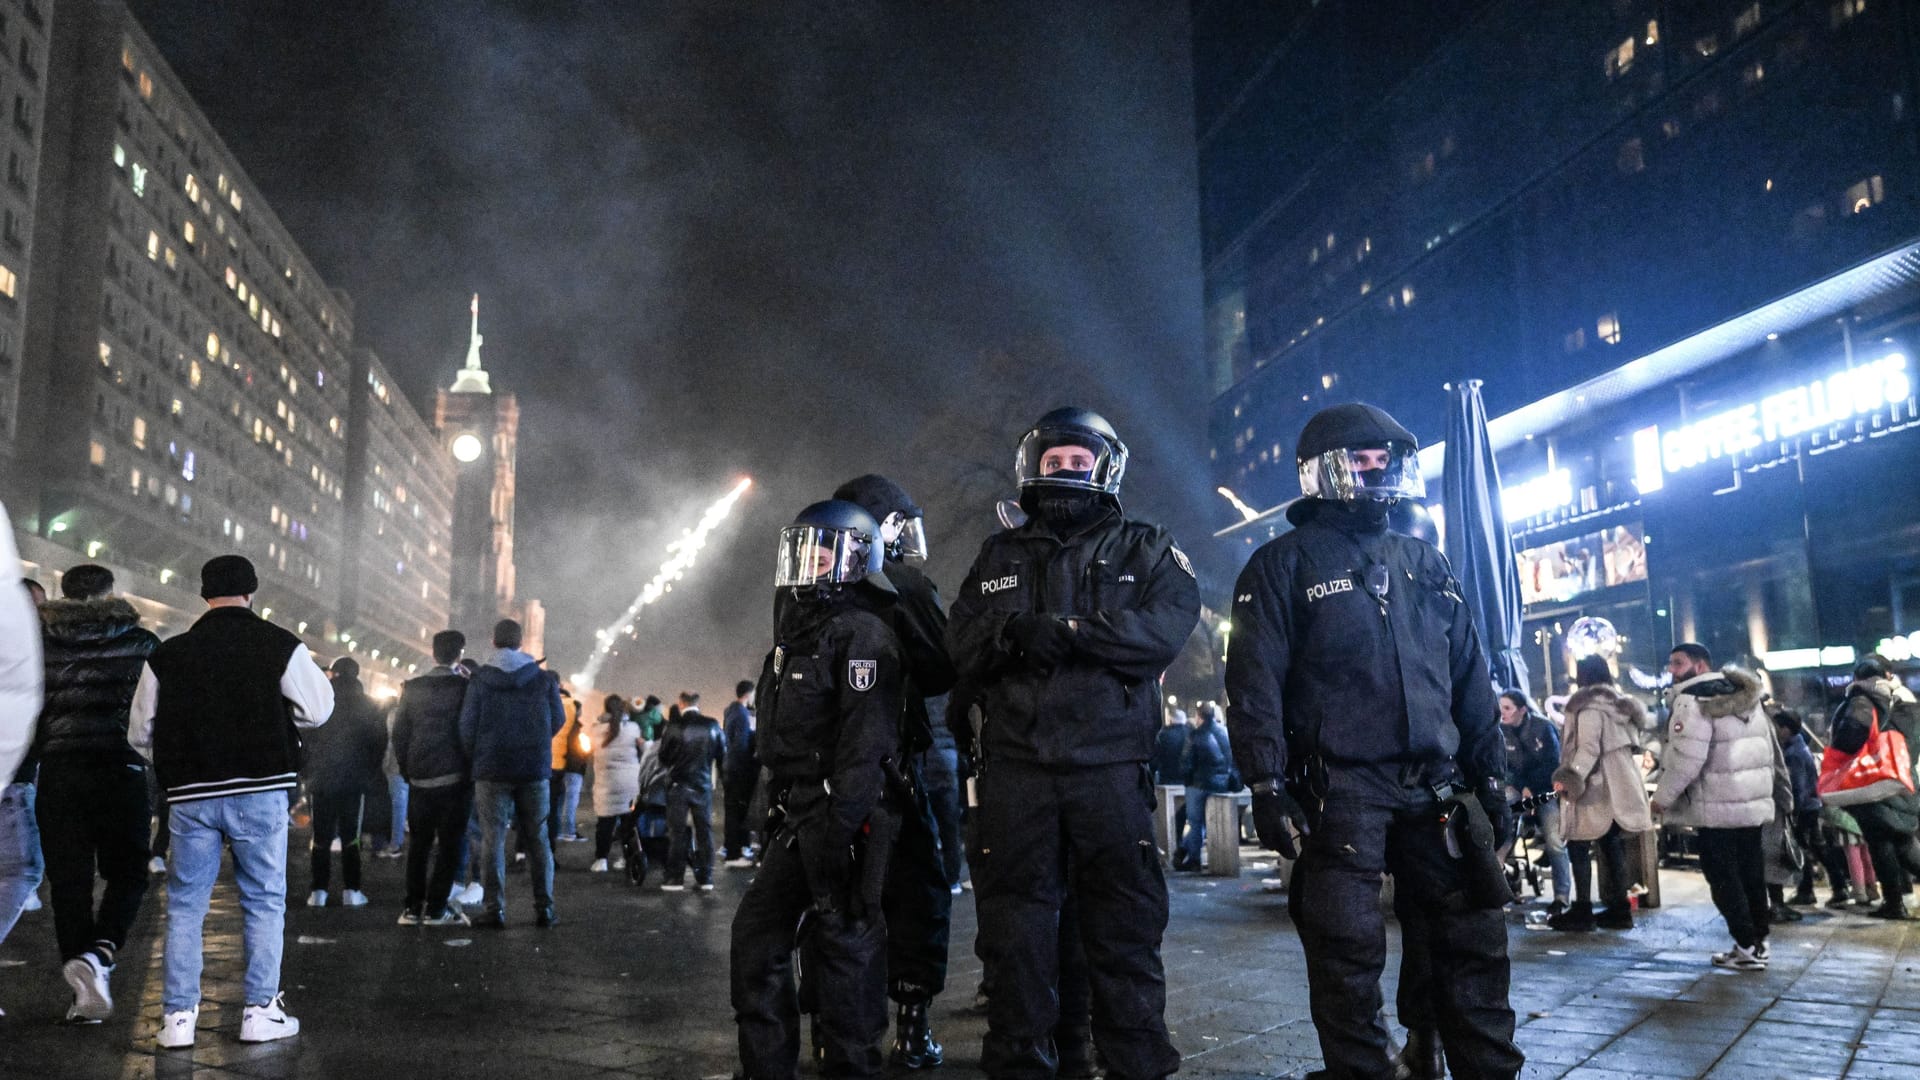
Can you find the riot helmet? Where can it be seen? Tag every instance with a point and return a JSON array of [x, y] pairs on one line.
[[1357, 453], [903, 531], [1074, 449], [829, 544]]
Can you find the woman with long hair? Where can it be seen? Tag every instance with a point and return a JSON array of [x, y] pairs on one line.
[[1605, 797]]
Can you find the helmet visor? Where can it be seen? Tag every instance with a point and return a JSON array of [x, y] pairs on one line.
[[810, 555], [911, 543], [1070, 457], [1376, 473]]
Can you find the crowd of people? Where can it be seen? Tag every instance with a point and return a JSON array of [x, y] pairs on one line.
[[1361, 720]]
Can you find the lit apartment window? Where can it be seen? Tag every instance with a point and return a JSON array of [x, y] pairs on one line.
[[1608, 329], [187, 230], [193, 374], [146, 85], [126, 57], [1860, 198], [193, 189], [1406, 295], [213, 345], [119, 155], [1618, 59], [1753, 73], [9, 282], [140, 432], [153, 244], [242, 292], [171, 259], [139, 180], [1747, 21], [106, 355], [233, 200], [97, 454], [1653, 32], [136, 481], [177, 408], [253, 305], [1843, 11], [220, 184]]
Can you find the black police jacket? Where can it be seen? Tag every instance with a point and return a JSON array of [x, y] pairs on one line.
[[1316, 662], [829, 702], [920, 622], [1132, 598]]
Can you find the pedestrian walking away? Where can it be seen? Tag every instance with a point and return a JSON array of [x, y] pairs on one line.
[[1605, 796], [830, 700], [572, 756], [1064, 624], [342, 758], [216, 712], [615, 748], [430, 756], [1361, 711], [739, 773], [92, 799], [1717, 775], [508, 720], [691, 744], [918, 900]]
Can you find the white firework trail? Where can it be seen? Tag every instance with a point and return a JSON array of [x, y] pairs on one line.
[[681, 555]]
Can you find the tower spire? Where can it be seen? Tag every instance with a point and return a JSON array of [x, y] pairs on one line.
[[472, 378]]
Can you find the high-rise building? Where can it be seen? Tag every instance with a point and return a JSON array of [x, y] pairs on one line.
[[1679, 243], [481, 430], [23, 40], [188, 385]]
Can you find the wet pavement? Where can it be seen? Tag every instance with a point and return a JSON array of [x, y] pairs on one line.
[[633, 983]]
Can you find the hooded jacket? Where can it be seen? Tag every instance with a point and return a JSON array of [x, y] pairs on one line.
[[616, 765], [1600, 767], [1717, 768], [1865, 702], [343, 756], [510, 716], [95, 651]]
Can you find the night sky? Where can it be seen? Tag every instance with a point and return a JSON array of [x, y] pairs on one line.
[[795, 241]]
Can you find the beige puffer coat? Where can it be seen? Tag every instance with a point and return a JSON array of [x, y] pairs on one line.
[[1718, 766], [1600, 767]]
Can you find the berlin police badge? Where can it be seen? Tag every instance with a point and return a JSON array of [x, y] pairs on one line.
[[860, 673]]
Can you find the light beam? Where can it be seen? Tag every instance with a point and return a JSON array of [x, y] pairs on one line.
[[681, 555]]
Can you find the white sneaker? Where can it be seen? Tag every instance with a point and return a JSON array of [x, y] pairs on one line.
[[335, 847], [353, 898], [1739, 958], [177, 1029], [449, 917], [740, 864], [33, 902], [408, 918], [706, 886], [599, 866], [265, 1023], [519, 856], [474, 893], [156, 865], [92, 1000], [619, 864], [317, 898], [956, 890], [1762, 953], [673, 886]]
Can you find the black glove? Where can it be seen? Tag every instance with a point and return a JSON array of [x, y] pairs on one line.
[[1493, 799], [1280, 822], [1043, 639]]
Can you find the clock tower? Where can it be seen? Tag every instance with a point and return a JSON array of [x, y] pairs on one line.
[[480, 431]]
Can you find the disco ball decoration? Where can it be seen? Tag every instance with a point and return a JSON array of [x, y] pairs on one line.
[[1591, 635]]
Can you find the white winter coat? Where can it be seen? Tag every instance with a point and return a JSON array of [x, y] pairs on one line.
[[1718, 765], [21, 670], [1600, 765], [616, 766]]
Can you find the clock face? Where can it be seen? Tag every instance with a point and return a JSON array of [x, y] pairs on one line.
[[468, 448]]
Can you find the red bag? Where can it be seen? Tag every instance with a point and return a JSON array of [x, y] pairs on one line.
[[1880, 770]]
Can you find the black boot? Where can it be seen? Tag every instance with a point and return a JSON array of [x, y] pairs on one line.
[[913, 1045], [1618, 916], [1422, 1058], [1578, 918]]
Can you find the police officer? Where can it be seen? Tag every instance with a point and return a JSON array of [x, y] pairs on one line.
[[1359, 702], [1064, 624], [917, 900], [830, 703]]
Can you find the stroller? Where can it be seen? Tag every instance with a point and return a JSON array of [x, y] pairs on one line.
[[646, 841], [1523, 869]]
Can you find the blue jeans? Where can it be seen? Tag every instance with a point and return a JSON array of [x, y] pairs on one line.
[[1548, 815], [255, 827], [570, 804], [525, 805], [20, 865], [1195, 838], [397, 799]]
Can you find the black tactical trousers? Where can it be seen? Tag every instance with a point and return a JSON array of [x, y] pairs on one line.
[[1458, 952], [846, 959], [1036, 827], [919, 909]]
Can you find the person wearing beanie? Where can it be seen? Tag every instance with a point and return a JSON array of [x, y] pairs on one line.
[[218, 712]]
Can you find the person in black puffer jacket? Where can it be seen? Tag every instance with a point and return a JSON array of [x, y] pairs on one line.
[[343, 757], [93, 786]]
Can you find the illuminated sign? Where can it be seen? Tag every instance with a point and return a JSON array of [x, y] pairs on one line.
[[1548, 491], [1838, 397]]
